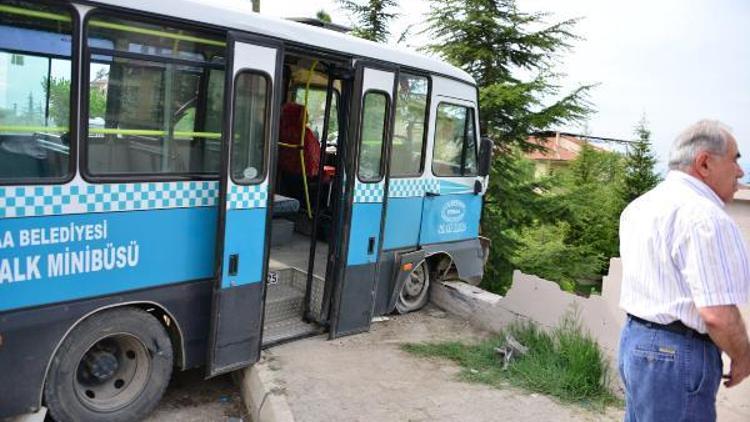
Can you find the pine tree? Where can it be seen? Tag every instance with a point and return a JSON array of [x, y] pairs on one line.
[[372, 18], [640, 176], [492, 40], [323, 16]]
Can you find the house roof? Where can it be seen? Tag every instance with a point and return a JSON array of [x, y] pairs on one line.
[[557, 146]]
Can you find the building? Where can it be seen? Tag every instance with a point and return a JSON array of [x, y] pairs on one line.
[[560, 148]]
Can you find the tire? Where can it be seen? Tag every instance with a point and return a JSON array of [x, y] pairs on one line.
[[114, 366], [415, 292]]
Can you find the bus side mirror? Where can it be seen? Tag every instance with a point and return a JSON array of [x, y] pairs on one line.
[[485, 156]]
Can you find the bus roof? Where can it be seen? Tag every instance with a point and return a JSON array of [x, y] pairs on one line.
[[237, 14]]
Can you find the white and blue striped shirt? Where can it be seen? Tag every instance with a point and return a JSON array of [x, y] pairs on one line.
[[680, 251]]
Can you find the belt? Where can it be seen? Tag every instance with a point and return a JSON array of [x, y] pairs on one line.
[[674, 327]]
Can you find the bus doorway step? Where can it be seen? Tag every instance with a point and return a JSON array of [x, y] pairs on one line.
[[285, 296]]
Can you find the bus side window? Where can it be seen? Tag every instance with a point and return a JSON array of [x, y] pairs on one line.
[[35, 54], [155, 99], [374, 115], [455, 151], [409, 127], [249, 132]]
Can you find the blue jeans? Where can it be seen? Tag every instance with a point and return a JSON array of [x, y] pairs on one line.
[[668, 376]]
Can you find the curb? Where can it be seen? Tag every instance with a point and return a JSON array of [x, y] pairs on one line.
[[264, 398]]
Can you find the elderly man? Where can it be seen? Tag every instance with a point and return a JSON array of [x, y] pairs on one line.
[[685, 269]]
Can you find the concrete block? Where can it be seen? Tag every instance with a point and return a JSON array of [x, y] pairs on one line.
[[264, 400]]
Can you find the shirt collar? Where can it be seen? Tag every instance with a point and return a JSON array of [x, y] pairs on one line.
[[697, 185]]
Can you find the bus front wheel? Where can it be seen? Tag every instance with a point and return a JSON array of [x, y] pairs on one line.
[[415, 293], [113, 366]]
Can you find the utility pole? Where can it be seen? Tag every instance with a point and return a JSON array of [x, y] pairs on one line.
[[256, 6]]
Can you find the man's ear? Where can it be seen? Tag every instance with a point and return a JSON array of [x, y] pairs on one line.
[[701, 163]]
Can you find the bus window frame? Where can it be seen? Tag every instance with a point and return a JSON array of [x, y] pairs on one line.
[[386, 124], [262, 175], [86, 57], [425, 133], [473, 111], [75, 71]]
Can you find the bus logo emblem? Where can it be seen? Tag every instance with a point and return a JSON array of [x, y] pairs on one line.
[[453, 211]]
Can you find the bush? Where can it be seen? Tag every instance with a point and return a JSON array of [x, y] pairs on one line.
[[565, 362]]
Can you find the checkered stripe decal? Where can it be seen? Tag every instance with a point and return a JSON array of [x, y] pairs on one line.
[[405, 188], [244, 197], [432, 185], [31, 201], [368, 192]]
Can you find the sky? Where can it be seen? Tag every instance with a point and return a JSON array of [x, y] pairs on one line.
[[672, 61]]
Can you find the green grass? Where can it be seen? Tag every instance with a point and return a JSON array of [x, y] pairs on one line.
[[565, 362]]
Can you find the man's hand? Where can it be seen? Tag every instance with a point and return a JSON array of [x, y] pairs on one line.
[[727, 330], [739, 370]]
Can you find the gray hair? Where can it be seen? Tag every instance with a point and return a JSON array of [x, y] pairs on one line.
[[705, 135]]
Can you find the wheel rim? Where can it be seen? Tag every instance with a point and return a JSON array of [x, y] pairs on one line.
[[112, 373], [414, 287]]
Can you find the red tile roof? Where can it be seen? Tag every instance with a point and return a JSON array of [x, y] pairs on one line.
[[560, 147]]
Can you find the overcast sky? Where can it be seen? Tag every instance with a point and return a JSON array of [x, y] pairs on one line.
[[675, 61]]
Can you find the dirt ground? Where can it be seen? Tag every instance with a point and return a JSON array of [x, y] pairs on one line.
[[366, 377], [190, 398]]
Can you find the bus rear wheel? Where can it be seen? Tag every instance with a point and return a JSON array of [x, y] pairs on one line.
[[415, 292], [114, 366]]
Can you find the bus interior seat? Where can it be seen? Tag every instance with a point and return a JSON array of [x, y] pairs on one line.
[[284, 206], [289, 166]]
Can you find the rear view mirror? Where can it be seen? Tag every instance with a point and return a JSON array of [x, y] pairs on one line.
[[485, 156]]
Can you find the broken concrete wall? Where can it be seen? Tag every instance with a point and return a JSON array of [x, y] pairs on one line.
[[543, 302]]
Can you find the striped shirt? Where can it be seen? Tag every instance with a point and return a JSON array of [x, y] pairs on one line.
[[680, 251]]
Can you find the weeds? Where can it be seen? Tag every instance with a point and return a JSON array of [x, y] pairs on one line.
[[565, 362]]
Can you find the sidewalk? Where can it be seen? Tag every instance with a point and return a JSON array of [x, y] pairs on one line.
[[366, 377]]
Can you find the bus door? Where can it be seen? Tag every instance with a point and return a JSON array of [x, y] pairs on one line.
[[453, 201], [367, 180], [242, 242]]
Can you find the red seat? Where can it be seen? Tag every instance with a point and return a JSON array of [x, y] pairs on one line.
[[291, 123]]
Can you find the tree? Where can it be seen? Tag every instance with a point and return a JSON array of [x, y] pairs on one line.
[[574, 248], [546, 254], [589, 194], [323, 16], [492, 40], [639, 165], [59, 100], [372, 18]]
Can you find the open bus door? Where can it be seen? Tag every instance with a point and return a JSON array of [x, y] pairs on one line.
[[370, 126], [253, 71]]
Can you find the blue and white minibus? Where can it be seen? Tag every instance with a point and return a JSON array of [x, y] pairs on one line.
[[185, 182]]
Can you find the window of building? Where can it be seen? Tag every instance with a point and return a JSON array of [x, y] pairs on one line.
[[455, 151], [35, 83]]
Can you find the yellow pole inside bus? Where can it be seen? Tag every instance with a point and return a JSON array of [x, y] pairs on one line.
[[302, 141]]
